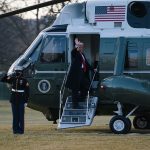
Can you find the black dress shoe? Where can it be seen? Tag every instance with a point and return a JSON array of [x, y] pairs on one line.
[[18, 132], [54, 122]]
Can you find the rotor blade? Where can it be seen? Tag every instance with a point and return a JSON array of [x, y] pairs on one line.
[[32, 8]]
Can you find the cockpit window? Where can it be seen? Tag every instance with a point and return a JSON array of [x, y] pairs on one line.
[[53, 49], [34, 55]]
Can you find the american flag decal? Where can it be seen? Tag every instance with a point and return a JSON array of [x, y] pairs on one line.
[[109, 13]]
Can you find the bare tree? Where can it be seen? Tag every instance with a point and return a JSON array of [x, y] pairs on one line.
[[16, 24], [17, 33]]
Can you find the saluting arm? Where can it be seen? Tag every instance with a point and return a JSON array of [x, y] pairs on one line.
[[7, 79]]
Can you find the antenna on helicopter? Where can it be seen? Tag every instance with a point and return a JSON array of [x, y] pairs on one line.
[[52, 2]]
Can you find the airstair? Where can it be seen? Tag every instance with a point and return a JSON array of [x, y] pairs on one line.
[[82, 115]]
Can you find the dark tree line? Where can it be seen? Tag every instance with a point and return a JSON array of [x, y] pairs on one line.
[[16, 33]]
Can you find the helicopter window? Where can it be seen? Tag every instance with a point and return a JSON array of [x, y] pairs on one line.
[[148, 57], [34, 55], [53, 49], [138, 14], [138, 9], [131, 60]]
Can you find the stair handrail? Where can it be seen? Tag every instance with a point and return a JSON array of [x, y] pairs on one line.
[[62, 89], [93, 78], [95, 71]]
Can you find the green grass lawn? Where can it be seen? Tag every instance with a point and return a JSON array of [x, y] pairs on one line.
[[43, 135]]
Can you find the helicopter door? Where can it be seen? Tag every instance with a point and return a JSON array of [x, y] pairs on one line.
[[91, 50], [51, 67], [91, 44]]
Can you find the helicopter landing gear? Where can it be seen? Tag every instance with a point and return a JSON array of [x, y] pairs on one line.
[[120, 124], [141, 122]]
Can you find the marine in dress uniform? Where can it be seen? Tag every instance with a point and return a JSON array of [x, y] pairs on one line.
[[19, 96]]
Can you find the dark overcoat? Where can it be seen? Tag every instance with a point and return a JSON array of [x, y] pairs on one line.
[[76, 73]]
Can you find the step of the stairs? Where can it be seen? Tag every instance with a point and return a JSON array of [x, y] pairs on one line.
[[75, 112], [73, 119], [81, 105]]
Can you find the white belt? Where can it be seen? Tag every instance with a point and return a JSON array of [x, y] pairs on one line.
[[20, 91]]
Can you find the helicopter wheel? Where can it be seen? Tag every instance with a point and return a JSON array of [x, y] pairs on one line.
[[120, 125], [141, 122]]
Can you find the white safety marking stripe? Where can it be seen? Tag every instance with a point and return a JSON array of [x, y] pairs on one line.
[[36, 71], [131, 72], [104, 71], [144, 71]]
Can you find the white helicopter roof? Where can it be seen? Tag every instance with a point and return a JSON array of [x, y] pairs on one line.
[[100, 16], [105, 12], [100, 10], [114, 1]]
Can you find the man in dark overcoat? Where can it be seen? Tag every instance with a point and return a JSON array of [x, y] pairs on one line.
[[78, 77]]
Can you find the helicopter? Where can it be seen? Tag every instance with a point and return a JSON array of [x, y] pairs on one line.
[[116, 34]]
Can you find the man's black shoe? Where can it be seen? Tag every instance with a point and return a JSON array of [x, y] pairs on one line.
[[54, 122], [18, 132]]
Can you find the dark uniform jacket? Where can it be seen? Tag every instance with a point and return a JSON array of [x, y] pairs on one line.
[[19, 89], [76, 73]]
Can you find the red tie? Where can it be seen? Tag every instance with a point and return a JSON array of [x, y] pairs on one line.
[[83, 63], [84, 66]]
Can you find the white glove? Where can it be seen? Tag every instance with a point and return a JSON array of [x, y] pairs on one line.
[[25, 104]]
